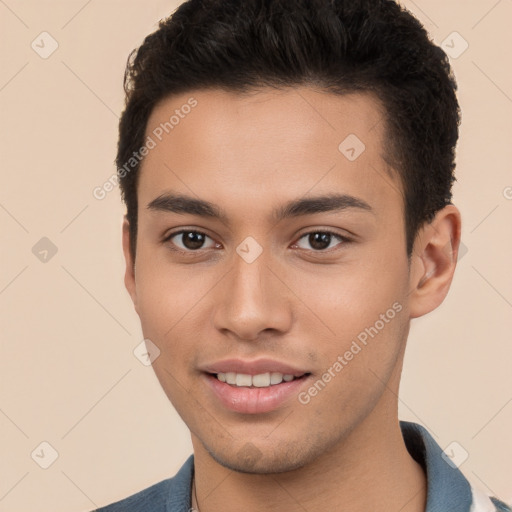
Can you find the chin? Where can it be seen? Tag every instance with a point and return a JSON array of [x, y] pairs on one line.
[[249, 458]]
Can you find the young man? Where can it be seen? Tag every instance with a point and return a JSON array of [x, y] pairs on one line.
[[287, 169]]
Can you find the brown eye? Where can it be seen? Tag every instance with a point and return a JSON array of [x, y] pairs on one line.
[[188, 240], [322, 240]]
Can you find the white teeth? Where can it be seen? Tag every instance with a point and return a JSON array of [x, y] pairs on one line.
[[242, 379], [262, 380], [276, 378]]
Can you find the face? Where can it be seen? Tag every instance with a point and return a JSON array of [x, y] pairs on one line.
[[271, 270]]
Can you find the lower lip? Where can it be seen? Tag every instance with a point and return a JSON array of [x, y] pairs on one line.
[[254, 400]]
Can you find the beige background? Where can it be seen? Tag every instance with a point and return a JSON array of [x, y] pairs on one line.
[[68, 373]]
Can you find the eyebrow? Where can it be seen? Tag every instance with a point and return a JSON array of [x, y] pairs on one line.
[[182, 204]]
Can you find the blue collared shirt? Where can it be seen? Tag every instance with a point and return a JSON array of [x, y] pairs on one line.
[[447, 488]]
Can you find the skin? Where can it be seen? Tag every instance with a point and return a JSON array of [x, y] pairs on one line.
[[298, 304]]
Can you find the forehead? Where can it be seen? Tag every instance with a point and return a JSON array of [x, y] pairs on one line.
[[268, 145]]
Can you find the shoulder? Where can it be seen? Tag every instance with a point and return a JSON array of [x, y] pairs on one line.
[[447, 486], [151, 498], [168, 495]]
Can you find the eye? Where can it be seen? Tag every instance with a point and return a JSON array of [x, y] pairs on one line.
[[188, 240], [322, 240]]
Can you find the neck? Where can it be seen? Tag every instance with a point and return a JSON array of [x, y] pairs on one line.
[[370, 470]]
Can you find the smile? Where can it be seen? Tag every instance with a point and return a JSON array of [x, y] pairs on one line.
[[262, 380]]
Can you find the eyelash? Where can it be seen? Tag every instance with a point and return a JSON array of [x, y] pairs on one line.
[[343, 239]]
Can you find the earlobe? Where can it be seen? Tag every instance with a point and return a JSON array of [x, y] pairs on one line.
[[129, 275], [434, 260]]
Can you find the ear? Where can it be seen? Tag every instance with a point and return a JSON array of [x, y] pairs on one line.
[[433, 261], [129, 274]]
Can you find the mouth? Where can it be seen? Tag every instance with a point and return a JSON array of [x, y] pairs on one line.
[[261, 380], [254, 387]]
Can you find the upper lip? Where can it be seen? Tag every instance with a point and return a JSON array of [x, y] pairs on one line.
[[255, 367]]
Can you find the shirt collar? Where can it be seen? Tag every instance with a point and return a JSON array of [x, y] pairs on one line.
[[447, 488]]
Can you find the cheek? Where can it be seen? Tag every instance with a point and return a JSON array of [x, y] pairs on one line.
[[352, 296], [358, 368], [165, 292], [363, 305], [167, 304]]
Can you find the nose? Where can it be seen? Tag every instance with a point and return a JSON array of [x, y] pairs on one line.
[[253, 299]]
